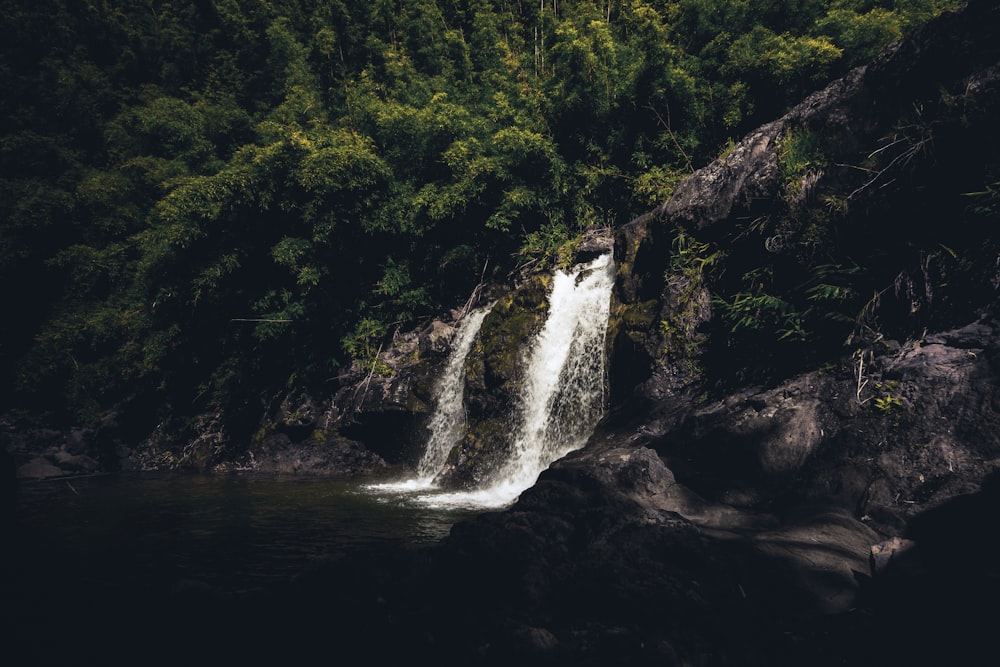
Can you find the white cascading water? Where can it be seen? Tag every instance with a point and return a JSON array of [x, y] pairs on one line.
[[564, 390], [561, 401], [447, 425]]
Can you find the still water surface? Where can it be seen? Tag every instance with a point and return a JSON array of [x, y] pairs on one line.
[[233, 533]]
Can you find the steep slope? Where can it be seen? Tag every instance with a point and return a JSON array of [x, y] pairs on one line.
[[794, 482]]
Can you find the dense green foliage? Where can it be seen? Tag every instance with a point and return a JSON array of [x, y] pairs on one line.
[[203, 199]]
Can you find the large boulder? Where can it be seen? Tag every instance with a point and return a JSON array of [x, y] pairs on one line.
[[884, 439]]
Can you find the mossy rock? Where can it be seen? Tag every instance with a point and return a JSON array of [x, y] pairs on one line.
[[472, 461], [495, 367]]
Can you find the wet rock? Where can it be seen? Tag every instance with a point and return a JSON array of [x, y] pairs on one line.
[[595, 242], [37, 453], [437, 336], [323, 454], [75, 463], [39, 468]]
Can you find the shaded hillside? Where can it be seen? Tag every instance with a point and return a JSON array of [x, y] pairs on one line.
[[862, 216]]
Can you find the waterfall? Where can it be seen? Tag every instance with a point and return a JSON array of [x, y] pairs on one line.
[[561, 400], [447, 425], [564, 390]]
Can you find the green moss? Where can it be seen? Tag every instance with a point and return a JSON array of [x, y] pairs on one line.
[[416, 405], [639, 315], [263, 432], [510, 325], [481, 449]]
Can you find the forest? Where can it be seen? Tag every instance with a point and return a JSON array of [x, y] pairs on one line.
[[202, 201]]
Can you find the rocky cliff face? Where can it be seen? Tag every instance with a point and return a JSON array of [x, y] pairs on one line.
[[902, 138], [759, 498], [871, 172]]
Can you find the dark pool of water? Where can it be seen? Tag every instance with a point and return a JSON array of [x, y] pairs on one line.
[[231, 533], [184, 569]]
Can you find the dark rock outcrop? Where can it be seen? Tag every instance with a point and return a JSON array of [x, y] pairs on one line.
[[902, 139], [39, 453]]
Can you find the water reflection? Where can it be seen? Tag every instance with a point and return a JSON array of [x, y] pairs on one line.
[[423, 493], [232, 533]]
